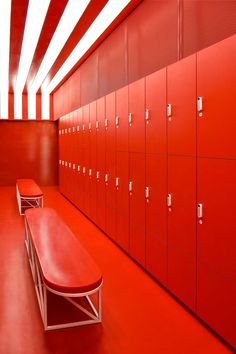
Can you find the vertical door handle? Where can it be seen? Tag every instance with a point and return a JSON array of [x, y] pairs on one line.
[[78, 168], [66, 163], [84, 170], [106, 122], [117, 182], [59, 162], [62, 131], [83, 127], [117, 121], [97, 175], [130, 186], [199, 106], [90, 172], [97, 124], [169, 110], [69, 130], [59, 132], [73, 166], [69, 164], [62, 163], [169, 200], [90, 126], [106, 177], [147, 192], [147, 115], [199, 211], [77, 128], [130, 118]]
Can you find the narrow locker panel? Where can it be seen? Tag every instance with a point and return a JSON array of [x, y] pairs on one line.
[[155, 113], [110, 127], [136, 118], [156, 216], [181, 201], [92, 177], [85, 127], [137, 206], [122, 142], [110, 193], [181, 107], [100, 125], [101, 198], [216, 245], [85, 173], [122, 199], [216, 74]]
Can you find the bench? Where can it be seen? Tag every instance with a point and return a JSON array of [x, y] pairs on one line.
[[28, 195], [60, 265]]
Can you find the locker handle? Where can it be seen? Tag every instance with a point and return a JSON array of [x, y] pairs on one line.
[[62, 163], [147, 192], [69, 164], [84, 170], [199, 211], [83, 127], [97, 124], [73, 129], [77, 128], [169, 110], [147, 117], [130, 186], [78, 168], [106, 122], [117, 182], [69, 130], [59, 162], [130, 118], [59, 132], [169, 200], [62, 131], [65, 131], [106, 177], [90, 172], [199, 104], [90, 126], [97, 174], [117, 121], [66, 163], [73, 166]]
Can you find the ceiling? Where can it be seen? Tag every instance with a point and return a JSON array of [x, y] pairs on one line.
[[43, 41]]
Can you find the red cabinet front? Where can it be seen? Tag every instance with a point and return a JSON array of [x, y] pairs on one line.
[[122, 119]]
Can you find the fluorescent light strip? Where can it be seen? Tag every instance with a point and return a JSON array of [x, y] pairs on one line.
[[71, 15], [110, 11], [36, 14], [5, 21]]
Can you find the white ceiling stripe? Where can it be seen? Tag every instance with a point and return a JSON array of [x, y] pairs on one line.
[[5, 22], [36, 14], [110, 11]]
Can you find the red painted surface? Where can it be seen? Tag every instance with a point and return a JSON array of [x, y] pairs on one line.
[[215, 82], [110, 193], [136, 110], [155, 92], [156, 216], [181, 94], [110, 128], [30, 151], [137, 207], [216, 285], [182, 229], [122, 136], [28, 188]]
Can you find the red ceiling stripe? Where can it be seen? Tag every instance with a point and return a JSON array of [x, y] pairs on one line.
[[18, 17], [55, 11]]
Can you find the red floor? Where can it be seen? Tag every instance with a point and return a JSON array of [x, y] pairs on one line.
[[138, 315]]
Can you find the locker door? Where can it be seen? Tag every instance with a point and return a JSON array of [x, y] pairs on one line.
[[216, 85], [92, 198], [122, 119], [137, 207], [182, 228], [122, 200], [136, 117], [155, 114], [101, 198], [110, 193], [110, 122], [85, 127], [181, 95], [216, 263], [156, 216]]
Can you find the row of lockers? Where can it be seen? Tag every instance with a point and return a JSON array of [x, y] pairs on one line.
[[138, 178], [187, 108]]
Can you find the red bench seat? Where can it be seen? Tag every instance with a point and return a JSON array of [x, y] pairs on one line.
[[29, 195], [60, 264]]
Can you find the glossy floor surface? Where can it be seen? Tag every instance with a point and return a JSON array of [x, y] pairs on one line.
[[138, 315]]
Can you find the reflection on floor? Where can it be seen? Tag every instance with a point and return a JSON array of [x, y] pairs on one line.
[[138, 315]]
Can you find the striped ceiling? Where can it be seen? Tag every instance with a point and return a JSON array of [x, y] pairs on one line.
[[42, 42]]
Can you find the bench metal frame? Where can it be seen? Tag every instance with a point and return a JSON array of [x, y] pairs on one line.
[[27, 202], [95, 310]]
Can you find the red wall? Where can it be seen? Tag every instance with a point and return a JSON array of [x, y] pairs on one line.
[[156, 34], [28, 150]]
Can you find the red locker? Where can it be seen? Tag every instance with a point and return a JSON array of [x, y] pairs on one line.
[[216, 262], [136, 118], [181, 201], [122, 199], [110, 193], [181, 107], [110, 127], [100, 125], [101, 198], [137, 206], [155, 114], [216, 74], [93, 164], [156, 216], [85, 127], [122, 142]]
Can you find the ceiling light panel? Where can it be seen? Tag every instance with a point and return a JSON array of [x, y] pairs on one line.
[[108, 14], [5, 21]]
